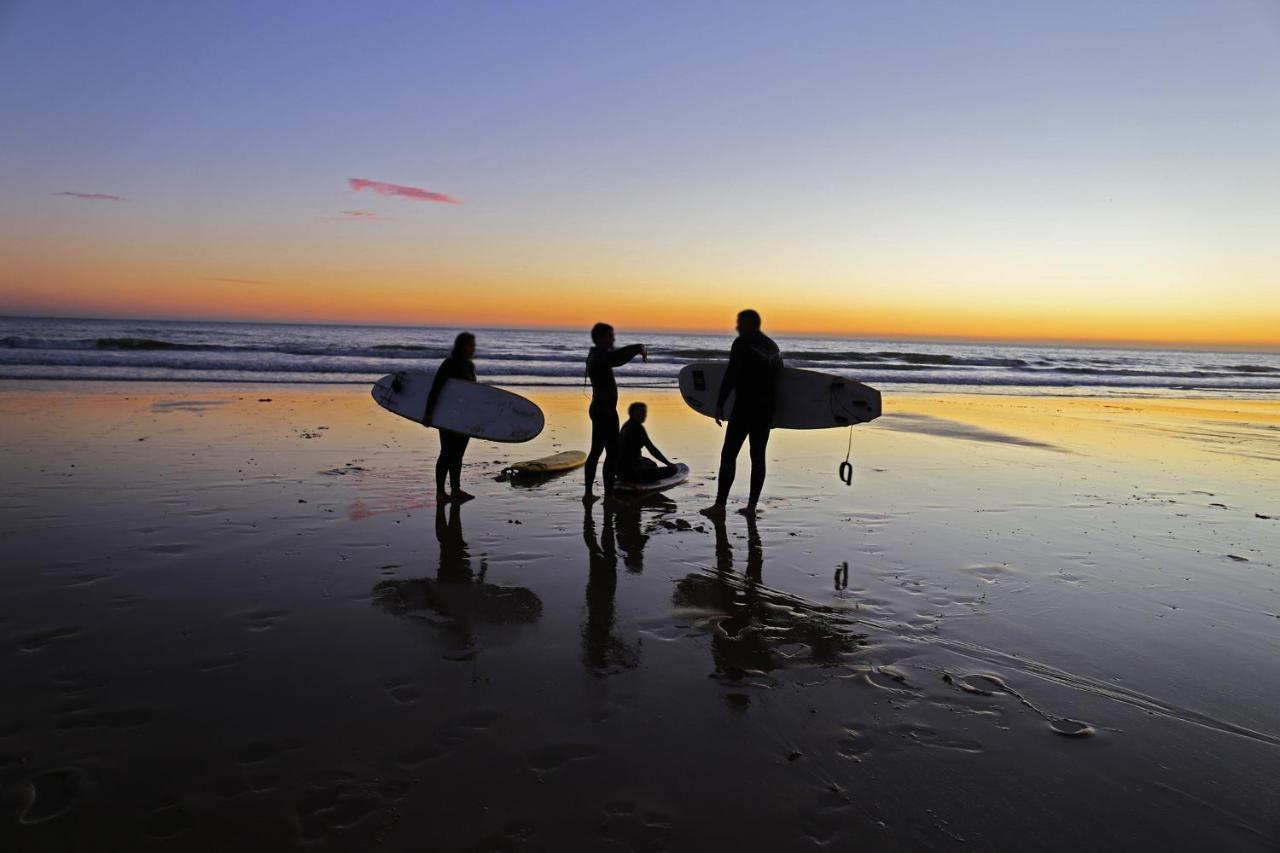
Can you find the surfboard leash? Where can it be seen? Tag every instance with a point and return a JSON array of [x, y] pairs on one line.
[[846, 467]]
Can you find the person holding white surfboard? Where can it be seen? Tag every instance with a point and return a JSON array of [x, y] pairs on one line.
[[453, 445], [601, 361], [752, 377]]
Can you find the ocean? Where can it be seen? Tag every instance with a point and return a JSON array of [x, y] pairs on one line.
[[153, 350]]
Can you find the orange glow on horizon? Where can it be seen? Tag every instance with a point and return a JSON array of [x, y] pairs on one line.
[[135, 284]]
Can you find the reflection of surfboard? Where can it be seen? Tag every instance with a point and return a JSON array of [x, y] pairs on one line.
[[806, 399], [681, 474], [481, 411], [553, 464]]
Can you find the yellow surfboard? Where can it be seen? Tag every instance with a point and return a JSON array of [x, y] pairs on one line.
[[553, 464]]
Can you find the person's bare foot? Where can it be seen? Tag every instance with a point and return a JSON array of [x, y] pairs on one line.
[[443, 497], [713, 511], [749, 511], [589, 498], [462, 497]]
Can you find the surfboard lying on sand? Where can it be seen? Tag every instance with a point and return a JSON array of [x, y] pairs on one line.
[[806, 399], [553, 464], [681, 474], [480, 411]]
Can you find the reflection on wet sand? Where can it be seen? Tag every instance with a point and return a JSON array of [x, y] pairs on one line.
[[633, 532], [1014, 599], [460, 597], [756, 629], [603, 651]]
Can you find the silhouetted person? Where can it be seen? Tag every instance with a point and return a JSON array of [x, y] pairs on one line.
[[452, 444], [752, 378], [633, 465], [601, 361]]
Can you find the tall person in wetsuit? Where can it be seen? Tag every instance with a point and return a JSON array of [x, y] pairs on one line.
[[452, 444], [601, 361], [752, 377]]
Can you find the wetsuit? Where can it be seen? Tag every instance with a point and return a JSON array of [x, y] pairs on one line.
[[752, 378], [452, 444], [604, 410], [632, 465]]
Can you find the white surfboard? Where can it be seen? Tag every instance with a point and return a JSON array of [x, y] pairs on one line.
[[806, 399], [681, 474], [480, 411]]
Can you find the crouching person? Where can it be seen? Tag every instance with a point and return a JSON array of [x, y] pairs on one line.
[[633, 465]]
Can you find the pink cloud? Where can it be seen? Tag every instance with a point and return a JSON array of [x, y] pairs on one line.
[[412, 193], [235, 280], [359, 214], [94, 196]]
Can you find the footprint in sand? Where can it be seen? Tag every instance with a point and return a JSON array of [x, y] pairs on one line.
[[625, 824], [123, 719], [411, 759], [549, 758], [854, 744], [346, 803], [167, 821], [172, 549], [222, 662], [264, 620], [931, 737], [48, 795], [402, 692], [36, 642], [264, 750]]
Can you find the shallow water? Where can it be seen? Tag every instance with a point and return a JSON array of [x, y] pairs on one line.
[[237, 617]]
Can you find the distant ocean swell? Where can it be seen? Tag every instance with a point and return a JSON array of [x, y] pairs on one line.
[[131, 350]]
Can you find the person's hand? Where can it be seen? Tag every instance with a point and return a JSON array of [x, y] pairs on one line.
[[644, 353], [719, 415]]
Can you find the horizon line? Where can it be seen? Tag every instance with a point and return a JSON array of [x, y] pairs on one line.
[[1082, 343]]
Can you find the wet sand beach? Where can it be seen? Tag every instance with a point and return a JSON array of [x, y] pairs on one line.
[[234, 617]]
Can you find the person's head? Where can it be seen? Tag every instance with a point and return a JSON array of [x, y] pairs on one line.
[[748, 321], [464, 345], [602, 335], [638, 412]]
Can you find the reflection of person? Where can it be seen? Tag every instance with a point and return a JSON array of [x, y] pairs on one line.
[[633, 466], [602, 649], [453, 445], [455, 559], [601, 361], [741, 643], [752, 377], [755, 553], [458, 593]]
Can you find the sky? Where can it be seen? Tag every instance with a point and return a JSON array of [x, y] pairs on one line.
[[1084, 171]]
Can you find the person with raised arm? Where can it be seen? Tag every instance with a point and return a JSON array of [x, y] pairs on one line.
[[601, 361]]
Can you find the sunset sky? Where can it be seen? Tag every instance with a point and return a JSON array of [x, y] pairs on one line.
[[1032, 171]]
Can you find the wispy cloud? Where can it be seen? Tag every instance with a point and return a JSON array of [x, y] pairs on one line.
[[234, 280], [359, 214], [93, 196], [411, 193]]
